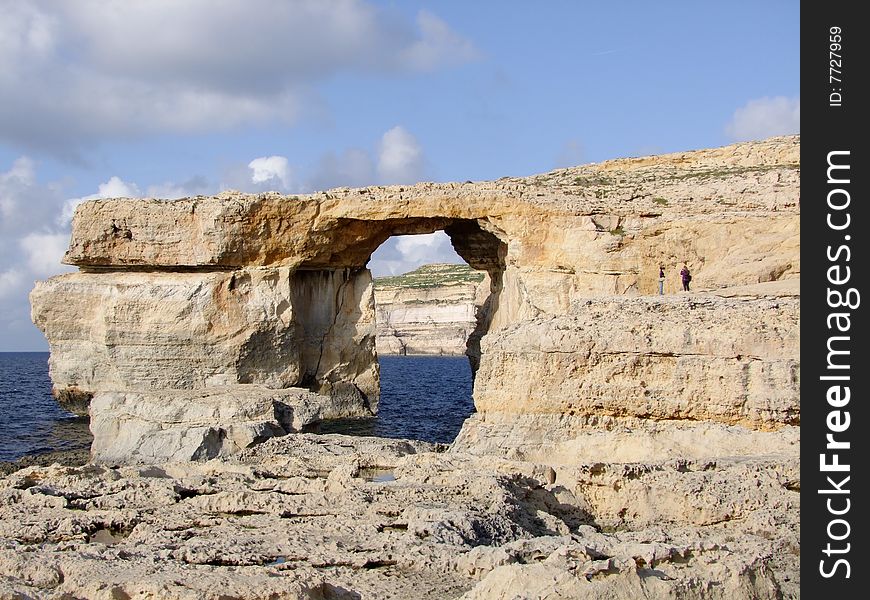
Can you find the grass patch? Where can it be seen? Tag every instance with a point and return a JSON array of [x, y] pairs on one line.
[[590, 181], [660, 201], [430, 276], [727, 172]]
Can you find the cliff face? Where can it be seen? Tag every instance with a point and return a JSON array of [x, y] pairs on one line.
[[272, 291], [625, 444], [636, 379], [432, 310]]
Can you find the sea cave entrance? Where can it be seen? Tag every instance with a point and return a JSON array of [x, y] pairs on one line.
[[435, 294]]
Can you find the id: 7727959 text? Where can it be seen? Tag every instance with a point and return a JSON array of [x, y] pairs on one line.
[[835, 66]]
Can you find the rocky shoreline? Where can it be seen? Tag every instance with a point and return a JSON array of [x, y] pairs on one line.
[[335, 517], [625, 444], [67, 458]]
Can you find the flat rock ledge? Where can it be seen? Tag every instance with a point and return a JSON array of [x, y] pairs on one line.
[[339, 517], [145, 427]]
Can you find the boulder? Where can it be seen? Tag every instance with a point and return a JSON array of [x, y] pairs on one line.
[[177, 425]]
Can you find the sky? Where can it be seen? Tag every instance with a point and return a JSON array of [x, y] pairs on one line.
[[159, 98]]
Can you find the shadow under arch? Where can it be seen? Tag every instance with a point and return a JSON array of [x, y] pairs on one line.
[[476, 241], [401, 412]]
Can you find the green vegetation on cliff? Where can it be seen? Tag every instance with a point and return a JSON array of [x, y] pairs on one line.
[[429, 276]]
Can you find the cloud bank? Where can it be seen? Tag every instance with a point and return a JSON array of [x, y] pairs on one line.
[[30, 248], [765, 117], [121, 69]]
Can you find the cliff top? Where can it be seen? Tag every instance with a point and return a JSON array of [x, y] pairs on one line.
[[429, 276]]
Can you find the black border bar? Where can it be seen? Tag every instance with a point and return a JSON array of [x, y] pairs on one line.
[[834, 341]]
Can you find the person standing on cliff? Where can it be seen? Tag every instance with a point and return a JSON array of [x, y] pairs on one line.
[[661, 280], [686, 277]]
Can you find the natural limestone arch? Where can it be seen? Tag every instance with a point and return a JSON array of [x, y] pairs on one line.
[[201, 326], [311, 282], [212, 336]]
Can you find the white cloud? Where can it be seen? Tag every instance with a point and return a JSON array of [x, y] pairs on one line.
[[20, 175], [413, 247], [23, 171], [397, 158], [765, 117], [271, 170], [24, 203], [136, 68], [437, 45], [400, 157], [401, 254], [25, 30], [44, 252], [26, 206], [9, 282], [115, 187]]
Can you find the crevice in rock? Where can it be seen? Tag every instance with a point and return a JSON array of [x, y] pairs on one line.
[[184, 493], [96, 268], [379, 563], [338, 303]]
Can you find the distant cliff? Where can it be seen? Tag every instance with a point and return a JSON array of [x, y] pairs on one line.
[[427, 311]]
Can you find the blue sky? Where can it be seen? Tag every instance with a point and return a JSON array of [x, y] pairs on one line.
[[167, 99]]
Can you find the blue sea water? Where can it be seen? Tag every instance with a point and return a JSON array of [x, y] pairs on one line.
[[31, 421], [422, 397]]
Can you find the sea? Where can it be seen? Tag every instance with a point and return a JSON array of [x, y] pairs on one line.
[[31, 421], [422, 398]]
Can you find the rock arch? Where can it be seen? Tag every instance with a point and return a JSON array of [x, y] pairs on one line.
[[201, 326], [283, 313]]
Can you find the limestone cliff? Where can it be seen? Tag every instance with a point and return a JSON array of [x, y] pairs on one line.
[[272, 291], [625, 444], [432, 310]]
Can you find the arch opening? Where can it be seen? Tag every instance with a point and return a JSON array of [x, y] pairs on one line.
[[430, 321]]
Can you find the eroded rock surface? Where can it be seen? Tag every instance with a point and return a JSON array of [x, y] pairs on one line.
[[337, 517], [699, 358], [625, 444], [178, 425], [133, 330]]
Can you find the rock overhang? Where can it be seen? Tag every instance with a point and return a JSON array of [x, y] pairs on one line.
[[292, 270], [240, 230]]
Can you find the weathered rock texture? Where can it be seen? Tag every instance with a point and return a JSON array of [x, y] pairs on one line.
[[201, 424], [698, 358], [432, 310], [332, 517], [647, 445], [132, 331], [268, 290]]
